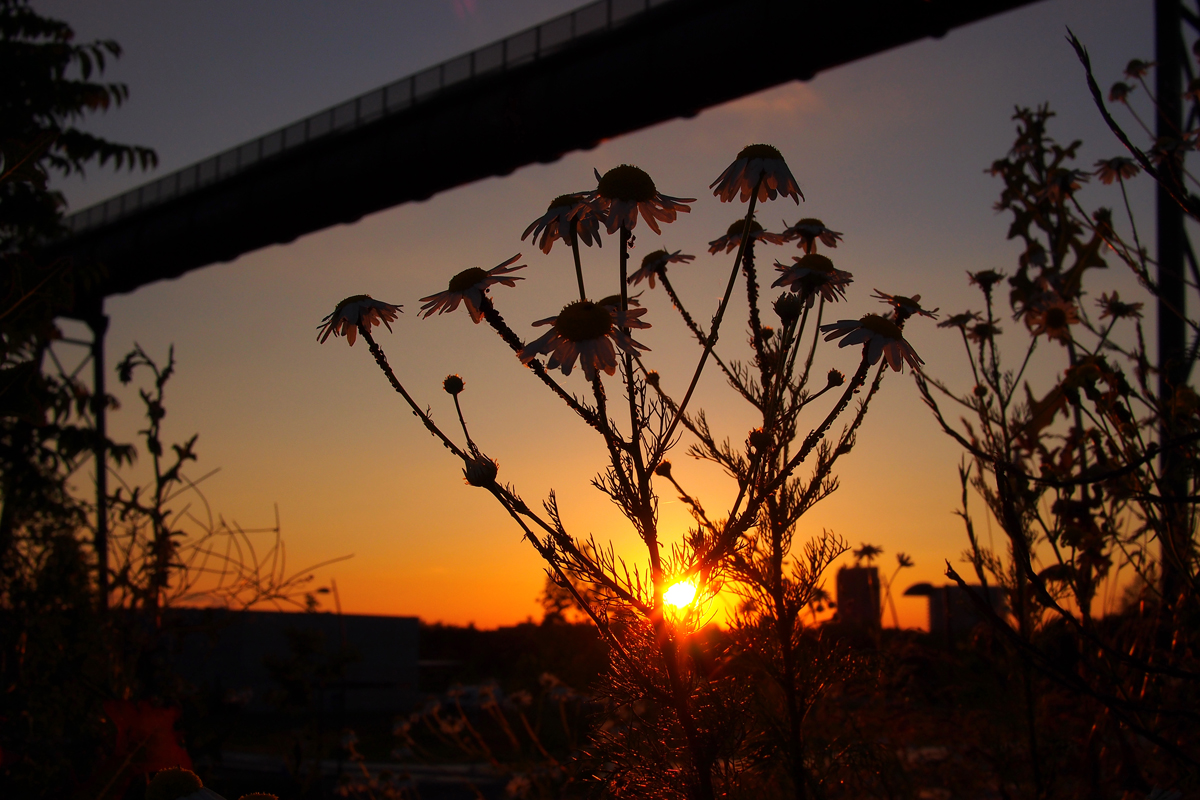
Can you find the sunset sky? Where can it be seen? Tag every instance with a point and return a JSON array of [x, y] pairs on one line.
[[890, 150]]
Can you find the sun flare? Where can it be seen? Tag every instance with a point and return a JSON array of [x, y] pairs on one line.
[[680, 594]]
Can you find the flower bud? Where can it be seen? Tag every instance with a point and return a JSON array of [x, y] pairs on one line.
[[481, 471], [663, 470], [453, 384], [835, 378], [652, 378], [788, 307], [760, 440], [767, 332], [980, 390]]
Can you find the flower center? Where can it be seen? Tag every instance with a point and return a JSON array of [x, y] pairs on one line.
[[1056, 318], [760, 151], [466, 279], [563, 201], [736, 228], [983, 330], [583, 320], [810, 222], [627, 182], [354, 298], [877, 324], [817, 263], [657, 256]]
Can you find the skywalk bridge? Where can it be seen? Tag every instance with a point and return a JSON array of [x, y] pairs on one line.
[[594, 73]]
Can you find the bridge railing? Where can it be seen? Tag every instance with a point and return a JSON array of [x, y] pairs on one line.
[[520, 48]]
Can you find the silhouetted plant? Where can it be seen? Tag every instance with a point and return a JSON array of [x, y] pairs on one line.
[[164, 555], [53, 643], [1069, 473], [689, 708]]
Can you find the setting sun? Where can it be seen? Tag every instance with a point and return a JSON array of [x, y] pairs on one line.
[[680, 595]]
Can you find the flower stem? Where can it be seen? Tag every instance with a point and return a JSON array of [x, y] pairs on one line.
[[575, 252], [716, 322], [739, 520], [428, 422], [642, 496], [512, 340], [752, 301], [698, 332], [463, 422]]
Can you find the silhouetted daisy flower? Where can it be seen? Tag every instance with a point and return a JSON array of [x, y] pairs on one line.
[[1136, 69], [811, 275], [983, 332], [732, 239], [613, 304], [623, 192], [1112, 306], [1113, 169], [808, 231], [1062, 183], [585, 332], [985, 279], [879, 336], [555, 224], [905, 306], [1119, 93], [470, 286], [655, 264], [752, 163], [1052, 316], [961, 321], [350, 312]]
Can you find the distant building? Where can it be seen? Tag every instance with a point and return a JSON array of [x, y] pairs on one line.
[[348, 662], [951, 611], [858, 596]]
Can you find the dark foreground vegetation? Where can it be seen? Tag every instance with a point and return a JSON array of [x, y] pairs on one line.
[[511, 712]]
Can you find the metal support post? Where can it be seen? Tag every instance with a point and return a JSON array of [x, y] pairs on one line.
[[1172, 297], [99, 325]]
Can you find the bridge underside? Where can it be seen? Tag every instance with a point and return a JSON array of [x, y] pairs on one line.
[[673, 61]]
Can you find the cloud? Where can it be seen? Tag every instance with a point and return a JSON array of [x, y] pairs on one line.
[[463, 8], [790, 100]]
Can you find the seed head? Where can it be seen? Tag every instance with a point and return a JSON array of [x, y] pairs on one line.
[[173, 783], [760, 151], [628, 183]]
